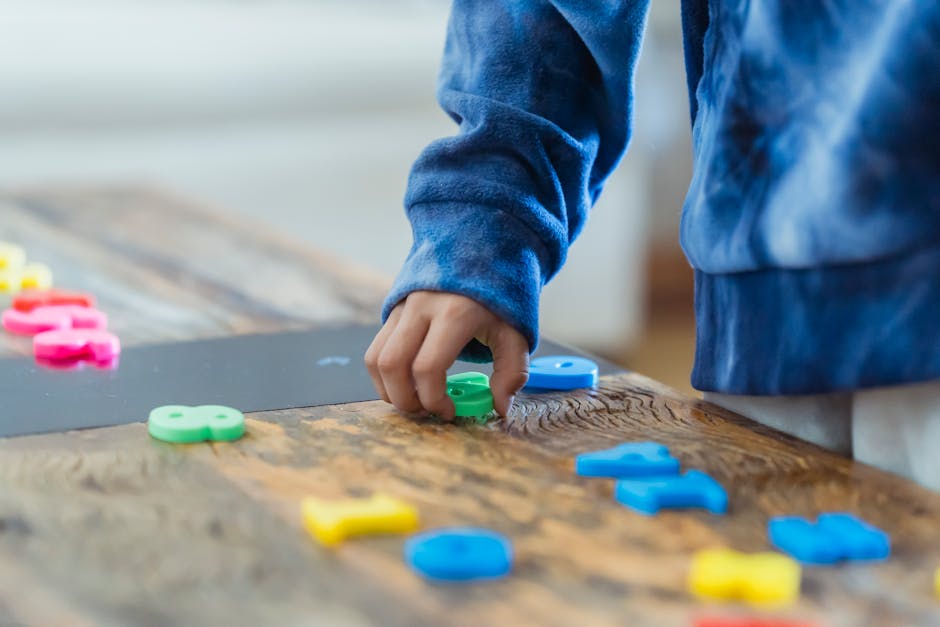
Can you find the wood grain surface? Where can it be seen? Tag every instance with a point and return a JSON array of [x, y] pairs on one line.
[[108, 527]]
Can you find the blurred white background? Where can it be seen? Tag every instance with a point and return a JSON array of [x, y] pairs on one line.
[[307, 114]]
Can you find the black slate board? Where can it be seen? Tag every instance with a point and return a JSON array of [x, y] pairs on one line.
[[249, 372]]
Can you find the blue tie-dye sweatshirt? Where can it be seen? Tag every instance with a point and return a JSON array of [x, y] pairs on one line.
[[813, 215]]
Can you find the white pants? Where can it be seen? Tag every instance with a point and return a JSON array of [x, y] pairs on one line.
[[894, 428]]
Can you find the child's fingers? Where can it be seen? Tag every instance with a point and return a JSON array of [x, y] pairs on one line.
[[441, 347], [395, 360], [375, 349], [510, 368]]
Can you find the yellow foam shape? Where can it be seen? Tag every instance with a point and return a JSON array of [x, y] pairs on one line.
[[11, 256], [331, 522], [756, 578], [36, 276], [10, 281], [936, 582]]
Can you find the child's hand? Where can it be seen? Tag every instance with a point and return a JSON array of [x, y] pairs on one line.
[[424, 334]]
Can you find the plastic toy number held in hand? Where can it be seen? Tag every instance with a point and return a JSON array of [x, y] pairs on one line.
[[470, 392], [183, 424]]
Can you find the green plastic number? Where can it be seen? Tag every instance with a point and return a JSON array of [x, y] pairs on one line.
[[181, 423], [469, 377], [471, 394]]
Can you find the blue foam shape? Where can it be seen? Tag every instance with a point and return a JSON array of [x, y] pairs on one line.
[[459, 554], [693, 489], [562, 372], [862, 541], [632, 459], [334, 360], [834, 537], [803, 541]]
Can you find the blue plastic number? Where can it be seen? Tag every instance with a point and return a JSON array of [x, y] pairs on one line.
[[832, 538], [633, 459], [459, 554], [693, 489], [562, 372]]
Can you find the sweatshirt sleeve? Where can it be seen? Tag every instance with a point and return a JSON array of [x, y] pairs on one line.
[[542, 93]]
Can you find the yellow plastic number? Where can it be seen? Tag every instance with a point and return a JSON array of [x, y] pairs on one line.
[[331, 522], [756, 578]]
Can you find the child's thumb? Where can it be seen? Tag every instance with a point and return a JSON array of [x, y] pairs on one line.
[[510, 368]]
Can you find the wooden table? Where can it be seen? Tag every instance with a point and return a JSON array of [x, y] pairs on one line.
[[110, 527]]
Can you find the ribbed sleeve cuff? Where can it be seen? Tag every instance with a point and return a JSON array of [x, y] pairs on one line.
[[829, 329]]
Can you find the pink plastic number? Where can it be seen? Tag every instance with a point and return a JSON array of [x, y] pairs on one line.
[[70, 365], [53, 317], [64, 344]]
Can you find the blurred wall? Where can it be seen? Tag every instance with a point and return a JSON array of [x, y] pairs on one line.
[[307, 114]]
